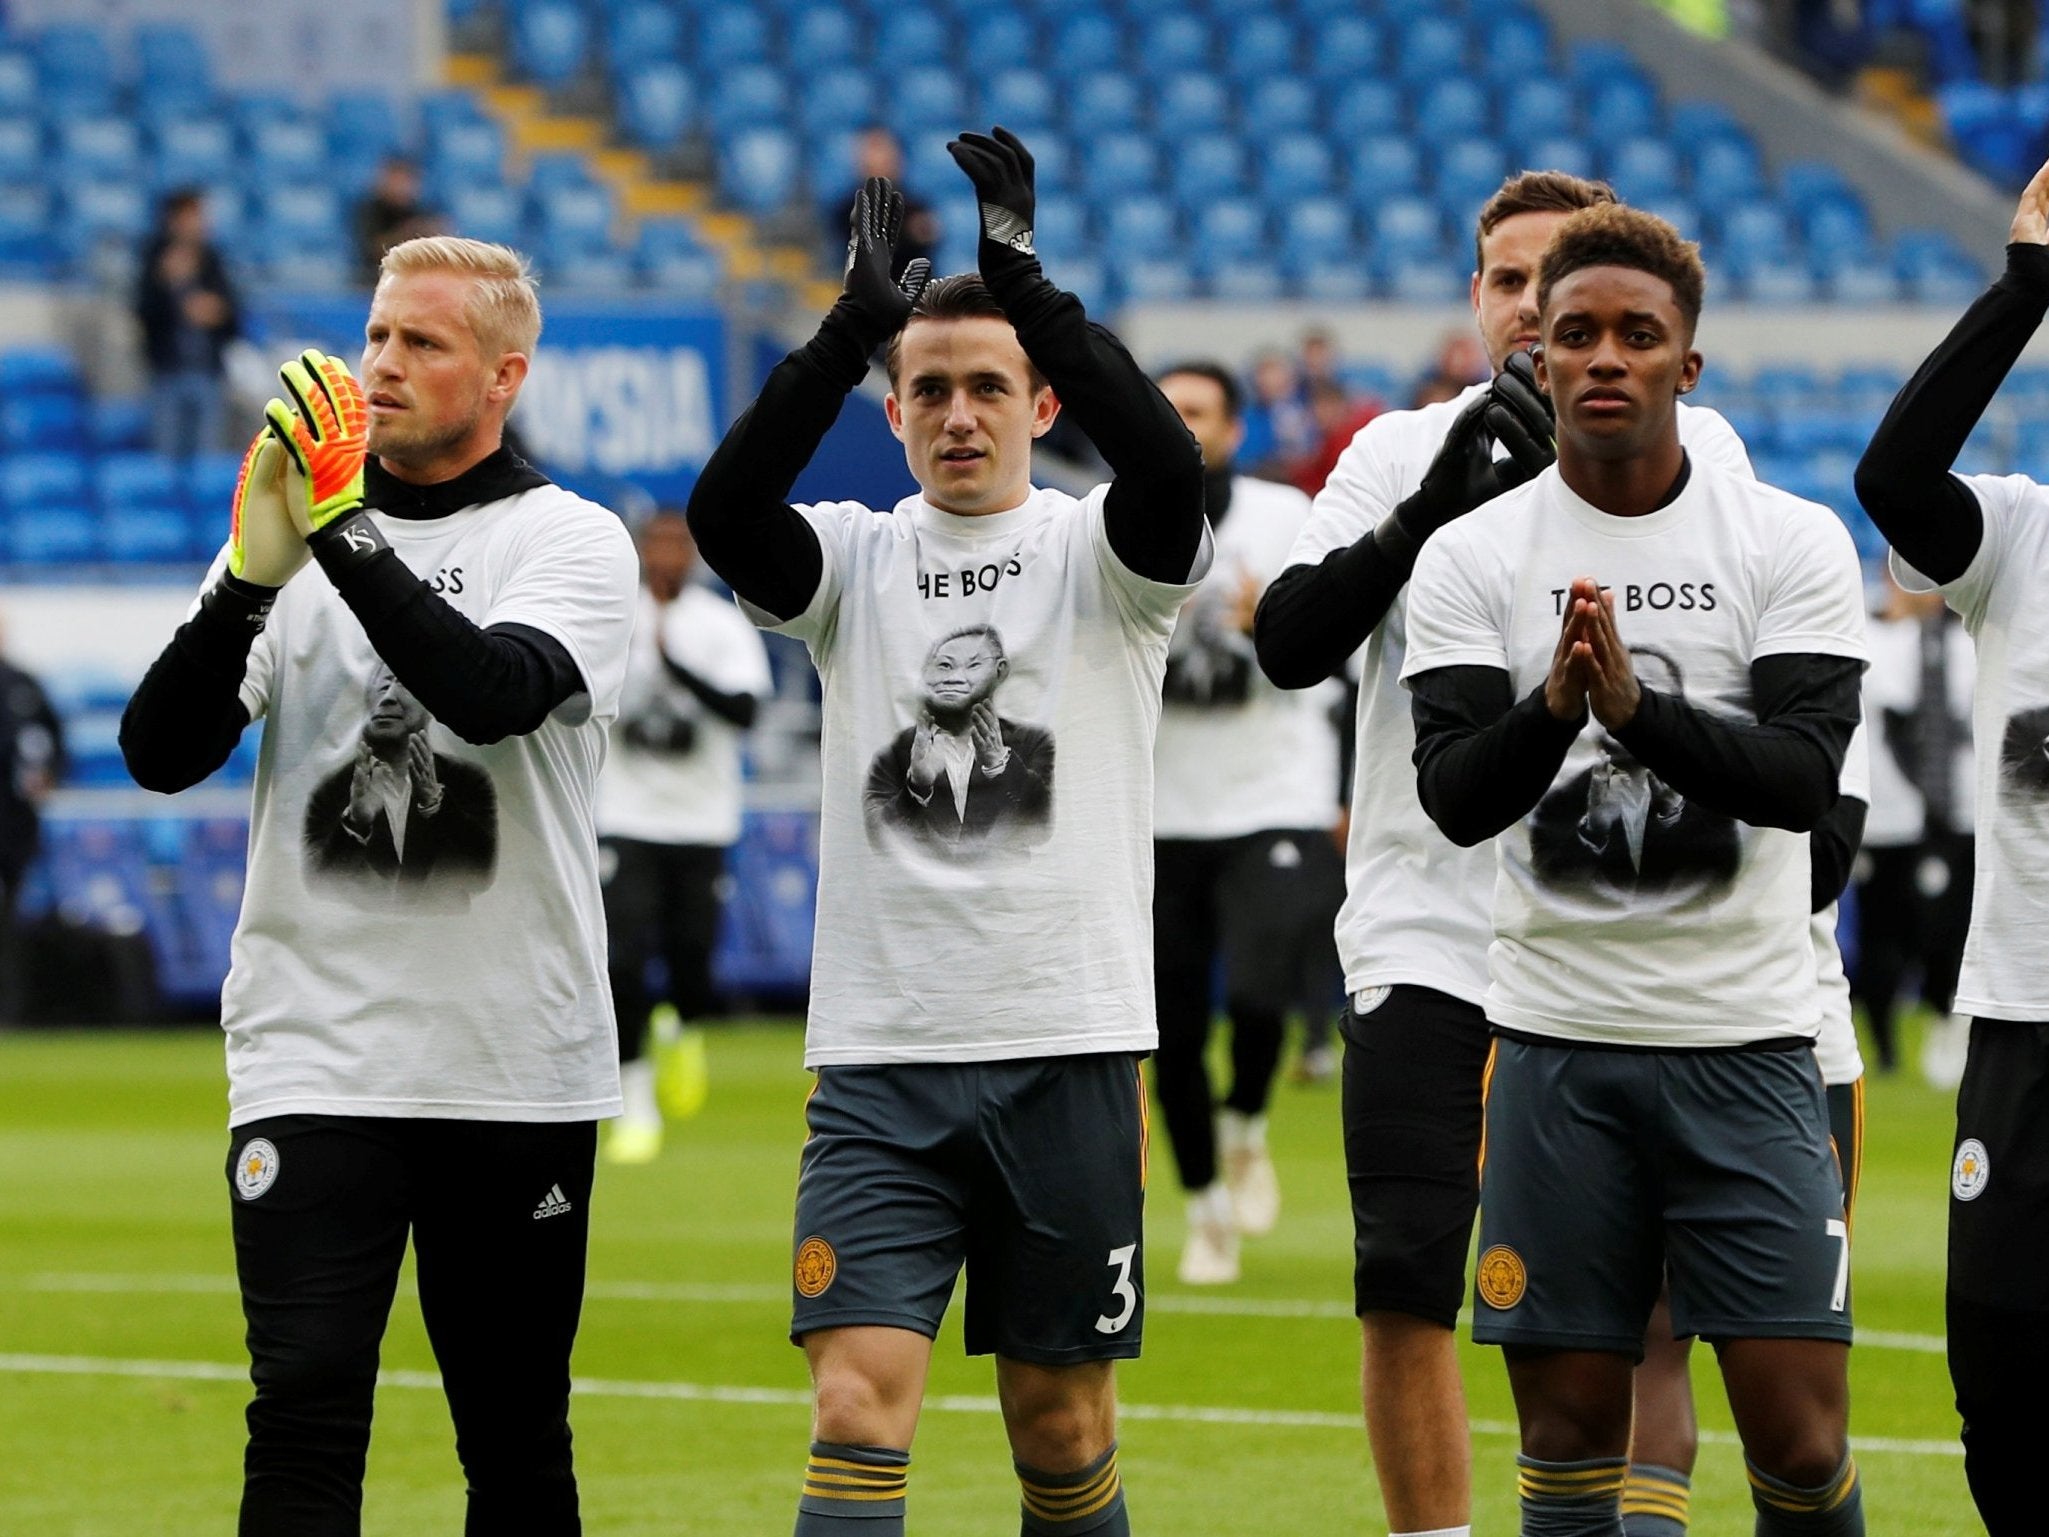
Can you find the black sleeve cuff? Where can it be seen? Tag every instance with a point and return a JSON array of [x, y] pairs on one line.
[[2027, 268]]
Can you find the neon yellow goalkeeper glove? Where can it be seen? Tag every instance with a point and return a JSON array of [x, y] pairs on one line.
[[323, 433], [264, 548]]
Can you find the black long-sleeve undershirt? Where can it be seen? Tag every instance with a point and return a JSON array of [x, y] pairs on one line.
[[1484, 760], [1312, 618], [1832, 850], [768, 554], [736, 709], [483, 684], [1904, 481]]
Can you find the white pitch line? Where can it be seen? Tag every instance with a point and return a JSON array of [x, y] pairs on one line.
[[794, 1398], [708, 1295]]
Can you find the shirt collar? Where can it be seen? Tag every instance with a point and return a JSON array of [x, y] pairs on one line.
[[497, 475]]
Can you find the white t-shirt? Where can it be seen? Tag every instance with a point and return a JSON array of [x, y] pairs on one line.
[[1623, 912], [1235, 754], [1835, 1049], [691, 797], [1000, 909], [435, 945], [2003, 598], [1893, 687], [1416, 904]]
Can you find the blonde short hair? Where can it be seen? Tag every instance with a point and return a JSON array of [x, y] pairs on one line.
[[504, 307]]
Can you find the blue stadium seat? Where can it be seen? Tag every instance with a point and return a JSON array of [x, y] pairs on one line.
[[1806, 183], [1021, 100], [1230, 229], [74, 72], [466, 150], [286, 150], [1190, 104], [1403, 228], [1001, 40], [21, 149], [751, 96], [729, 35], [1337, 280], [927, 98], [908, 37], [1517, 46], [1772, 282], [369, 122], [1242, 280], [1537, 107], [1831, 227], [487, 213], [138, 532], [1176, 43], [549, 169], [40, 370], [1726, 171], [1620, 107], [303, 215], [1345, 48], [1085, 41], [25, 220], [1060, 223], [549, 40], [91, 212], [1141, 226], [1296, 165], [1054, 163], [443, 109], [1364, 107], [1423, 280], [1383, 166], [116, 423], [758, 169], [1104, 102], [1430, 48], [1644, 169], [1562, 152], [641, 32], [1318, 229], [1592, 62], [53, 533], [31, 481], [18, 88], [1695, 122], [1277, 105], [575, 219], [838, 96], [33, 421], [1120, 163], [1682, 215], [669, 258], [657, 105], [1258, 46], [1161, 279], [1856, 277], [190, 151], [1452, 108], [1468, 172], [591, 270], [1208, 165], [107, 148]]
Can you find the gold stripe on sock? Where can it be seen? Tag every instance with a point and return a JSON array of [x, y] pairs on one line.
[[854, 1480], [1534, 1488], [1634, 1504], [1806, 1502], [896, 1470], [1071, 1504]]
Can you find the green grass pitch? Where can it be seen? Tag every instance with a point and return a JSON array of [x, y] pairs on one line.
[[121, 1366]]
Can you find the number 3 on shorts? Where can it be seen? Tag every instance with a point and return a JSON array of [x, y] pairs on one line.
[[1122, 1289]]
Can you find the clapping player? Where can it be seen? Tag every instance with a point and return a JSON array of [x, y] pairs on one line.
[[980, 999], [1979, 540], [1653, 1042], [417, 1047], [1414, 929]]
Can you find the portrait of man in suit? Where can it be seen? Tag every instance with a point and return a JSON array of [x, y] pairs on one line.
[[399, 816], [1622, 831], [964, 776]]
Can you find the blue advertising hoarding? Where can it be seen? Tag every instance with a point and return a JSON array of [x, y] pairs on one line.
[[619, 390]]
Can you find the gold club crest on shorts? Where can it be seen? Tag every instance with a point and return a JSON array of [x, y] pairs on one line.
[[816, 1266], [1502, 1278]]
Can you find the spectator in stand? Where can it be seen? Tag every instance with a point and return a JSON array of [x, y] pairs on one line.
[[1461, 362], [1338, 416], [394, 211], [1279, 429], [878, 152], [189, 315], [31, 764]]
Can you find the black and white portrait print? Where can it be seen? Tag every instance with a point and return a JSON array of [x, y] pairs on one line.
[[1618, 831], [2024, 753], [1210, 660], [965, 778], [399, 817]]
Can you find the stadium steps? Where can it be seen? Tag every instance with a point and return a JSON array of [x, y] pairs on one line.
[[532, 127]]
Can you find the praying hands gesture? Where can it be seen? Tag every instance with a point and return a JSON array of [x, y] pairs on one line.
[[1590, 668]]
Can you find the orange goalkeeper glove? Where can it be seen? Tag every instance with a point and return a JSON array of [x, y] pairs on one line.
[[323, 435], [264, 548]]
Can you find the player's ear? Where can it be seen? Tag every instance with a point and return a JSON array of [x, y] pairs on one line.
[[1543, 373], [510, 375], [1045, 407], [1689, 371], [893, 411]]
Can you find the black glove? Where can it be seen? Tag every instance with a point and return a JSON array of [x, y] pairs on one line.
[[872, 305], [1465, 472], [663, 734], [1001, 169]]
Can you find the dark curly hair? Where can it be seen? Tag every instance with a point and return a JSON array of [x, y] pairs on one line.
[[1616, 235]]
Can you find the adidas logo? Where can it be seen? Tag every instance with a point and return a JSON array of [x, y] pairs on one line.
[[553, 1204]]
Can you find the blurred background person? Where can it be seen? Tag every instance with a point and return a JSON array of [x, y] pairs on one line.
[[669, 807], [31, 765], [394, 210], [878, 152], [189, 314], [1914, 887], [1460, 361]]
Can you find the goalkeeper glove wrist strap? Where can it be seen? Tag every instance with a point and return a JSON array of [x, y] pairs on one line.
[[1396, 540], [842, 345], [234, 602], [347, 544]]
